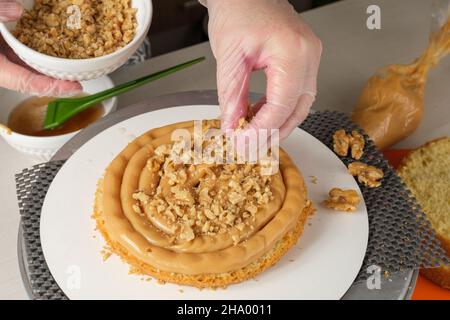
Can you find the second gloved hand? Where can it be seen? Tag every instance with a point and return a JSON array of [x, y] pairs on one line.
[[263, 34]]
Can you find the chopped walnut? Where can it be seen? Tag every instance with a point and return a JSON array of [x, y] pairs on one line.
[[251, 208], [163, 150], [153, 165], [242, 123], [342, 142], [342, 200], [137, 209], [235, 238], [368, 175], [142, 197], [182, 195], [235, 197], [187, 233]]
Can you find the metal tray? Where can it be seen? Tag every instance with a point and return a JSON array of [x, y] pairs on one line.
[[398, 286]]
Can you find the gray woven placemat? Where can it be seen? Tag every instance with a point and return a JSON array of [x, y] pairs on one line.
[[400, 236]]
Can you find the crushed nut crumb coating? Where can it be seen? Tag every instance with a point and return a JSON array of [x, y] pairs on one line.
[[203, 199], [342, 200], [342, 142], [368, 175], [106, 26]]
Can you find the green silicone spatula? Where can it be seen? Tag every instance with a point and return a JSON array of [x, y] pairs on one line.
[[61, 110]]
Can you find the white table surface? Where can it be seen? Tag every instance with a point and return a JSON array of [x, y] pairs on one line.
[[351, 54]]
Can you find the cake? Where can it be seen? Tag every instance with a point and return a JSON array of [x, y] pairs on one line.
[[426, 172], [203, 225]]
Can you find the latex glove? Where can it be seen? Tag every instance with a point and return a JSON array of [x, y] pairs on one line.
[[16, 75], [247, 35]]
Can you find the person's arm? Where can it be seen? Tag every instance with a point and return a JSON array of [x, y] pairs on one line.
[[16, 75], [248, 35]]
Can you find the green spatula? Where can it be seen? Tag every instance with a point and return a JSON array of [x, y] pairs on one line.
[[61, 110]]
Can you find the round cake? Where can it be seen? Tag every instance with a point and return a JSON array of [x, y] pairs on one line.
[[204, 225]]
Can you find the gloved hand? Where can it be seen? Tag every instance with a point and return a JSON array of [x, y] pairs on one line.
[[16, 75], [248, 35]]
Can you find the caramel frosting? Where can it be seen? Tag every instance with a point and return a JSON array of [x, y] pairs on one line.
[[196, 219], [391, 105]]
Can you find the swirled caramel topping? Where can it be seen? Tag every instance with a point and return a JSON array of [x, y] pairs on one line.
[[169, 216]]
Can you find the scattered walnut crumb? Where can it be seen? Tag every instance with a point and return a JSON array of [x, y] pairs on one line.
[[342, 200], [342, 142], [106, 253], [242, 123], [137, 208], [134, 271], [187, 233], [204, 199], [142, 197], [368, 175]]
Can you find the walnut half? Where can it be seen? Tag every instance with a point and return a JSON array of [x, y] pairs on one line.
[[368, 175], [342, 142], [342, 200]]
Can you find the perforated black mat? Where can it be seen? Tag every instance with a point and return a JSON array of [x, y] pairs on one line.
[[400, 236]]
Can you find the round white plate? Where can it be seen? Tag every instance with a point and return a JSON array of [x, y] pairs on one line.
[[323, 265]]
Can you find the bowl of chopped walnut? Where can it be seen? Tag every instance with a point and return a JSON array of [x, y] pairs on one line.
[[78, 39]]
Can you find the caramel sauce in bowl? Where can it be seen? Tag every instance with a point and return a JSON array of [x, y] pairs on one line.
[[22, 118], [28, 118]]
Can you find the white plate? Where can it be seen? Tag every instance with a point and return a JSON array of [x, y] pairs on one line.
[[323, 265]]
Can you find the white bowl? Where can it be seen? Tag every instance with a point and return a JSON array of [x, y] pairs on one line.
[[43, 148], [81, 69]]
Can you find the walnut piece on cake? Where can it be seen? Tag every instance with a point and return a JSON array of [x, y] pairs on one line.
[[342, 142], [342, 200], [366, 174]]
